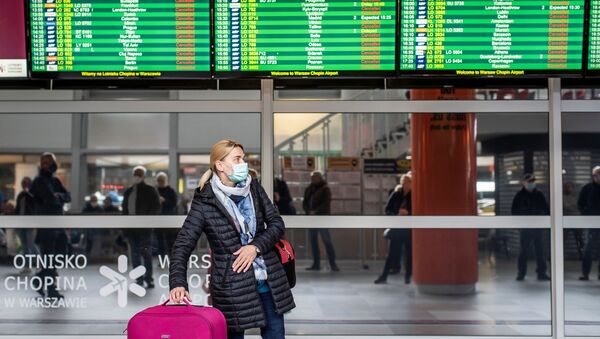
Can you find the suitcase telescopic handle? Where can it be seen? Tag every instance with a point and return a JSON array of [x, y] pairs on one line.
[[167, 301]]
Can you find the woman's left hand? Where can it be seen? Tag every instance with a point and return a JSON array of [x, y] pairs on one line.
[[246, 255]]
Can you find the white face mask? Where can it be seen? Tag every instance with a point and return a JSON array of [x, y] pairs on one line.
[[137, 180]]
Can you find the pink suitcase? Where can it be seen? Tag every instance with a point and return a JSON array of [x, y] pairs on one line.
[[177, 322]]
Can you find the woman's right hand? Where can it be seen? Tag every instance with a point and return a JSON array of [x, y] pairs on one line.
[[177, 294]]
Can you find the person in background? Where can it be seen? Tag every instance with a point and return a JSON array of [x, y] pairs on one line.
[[8, 208], [141, 199], [530, 201], [182, 208], [399, 203], [108, 207], [589, 204], [282, 197], [168, 206], [92, 206], [317, 201], [570, 208], [253, 174], [167, 195], [85, 236], [25, 205], [395, 268], [49, 197], [570, 199]]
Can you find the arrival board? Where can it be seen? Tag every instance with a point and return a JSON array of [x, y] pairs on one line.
[[305, 37], [491, 37], [594, 36], [120, 38]]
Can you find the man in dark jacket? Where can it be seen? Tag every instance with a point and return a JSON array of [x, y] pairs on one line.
[[399, 203], [168, 206], [25, 201], [283, 198], [141, 199], [49, 197], [317, 201], [530, 201], [25, 206], [589, 204]]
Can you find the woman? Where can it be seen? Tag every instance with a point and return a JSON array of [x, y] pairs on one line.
[[399, 203], [247, 283]]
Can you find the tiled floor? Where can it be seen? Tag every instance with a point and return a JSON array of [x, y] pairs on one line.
[[343, 303]]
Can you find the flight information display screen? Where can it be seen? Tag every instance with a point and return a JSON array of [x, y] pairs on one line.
[[491, 37], [120, 38], [594, 37], [13, 55], [295, 38]]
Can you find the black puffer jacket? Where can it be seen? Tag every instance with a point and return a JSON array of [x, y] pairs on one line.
[[234, 294], [530, 203]]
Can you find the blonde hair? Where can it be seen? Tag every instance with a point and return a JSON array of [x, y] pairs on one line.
[[403, 178], [219, 151], [407, 176]]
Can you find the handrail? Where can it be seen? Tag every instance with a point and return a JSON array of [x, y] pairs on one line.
[[304, 131]]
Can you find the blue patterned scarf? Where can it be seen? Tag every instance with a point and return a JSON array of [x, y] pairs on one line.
[[240, 206]]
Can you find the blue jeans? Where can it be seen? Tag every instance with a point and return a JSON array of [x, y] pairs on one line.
[[586, 264], [313, 234], [275, 327], [26, 237]]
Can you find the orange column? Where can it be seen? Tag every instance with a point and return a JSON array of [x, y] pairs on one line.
[[444, 184]]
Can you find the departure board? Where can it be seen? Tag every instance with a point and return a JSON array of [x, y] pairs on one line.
[[594, 36], [491, 37], [313, 38], [13, 56], [120, 38]]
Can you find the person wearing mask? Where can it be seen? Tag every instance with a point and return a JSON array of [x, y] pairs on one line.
[[168, 196], [283, 198], [248, 283], [589, 204], [49, 198], [141, 199], [92, 206], [168, 206], [399, 203], [25, 206], [530, 201], [317, 201]]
